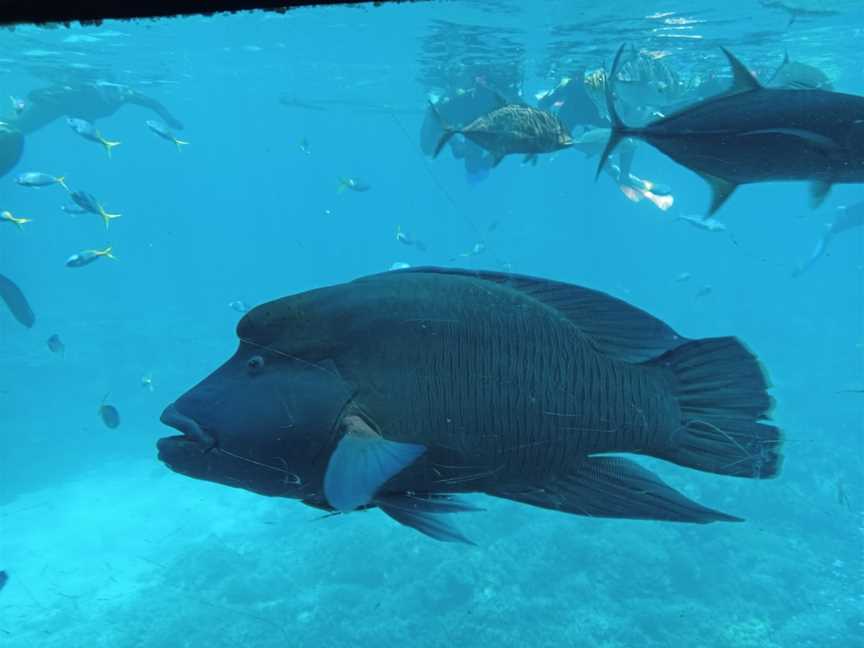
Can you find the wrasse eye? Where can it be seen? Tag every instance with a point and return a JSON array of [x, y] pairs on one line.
[[255, 364]]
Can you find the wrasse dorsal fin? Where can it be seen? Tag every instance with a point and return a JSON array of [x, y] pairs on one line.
[[615, 328], [742, 79]]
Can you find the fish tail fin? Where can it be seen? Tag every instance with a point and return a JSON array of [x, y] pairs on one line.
[[106, 217], [619, 129], [61, 180], [108, 144], [448, 130], [722, 391], [108, 253], [342, 186], [19, 222], [179, 144], [442, 141]]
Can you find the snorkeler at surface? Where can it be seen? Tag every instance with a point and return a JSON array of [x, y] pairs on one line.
[[571, 102], [90, 101]]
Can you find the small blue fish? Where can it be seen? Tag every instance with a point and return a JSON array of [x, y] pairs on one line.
[[89, 132], [88, 202], [86, 257], [4, 578], [164, 132], [18, 105], [37, 179], [700, 223], [353, 184], [403, 238], [11, 218], [704, 291], [55, 344]]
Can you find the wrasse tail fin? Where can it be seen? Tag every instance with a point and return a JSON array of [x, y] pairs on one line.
[[722, 391]]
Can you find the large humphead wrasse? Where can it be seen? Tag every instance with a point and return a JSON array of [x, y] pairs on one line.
[[400, 390]]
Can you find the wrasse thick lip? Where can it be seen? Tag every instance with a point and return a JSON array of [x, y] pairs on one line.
[[188, 426]]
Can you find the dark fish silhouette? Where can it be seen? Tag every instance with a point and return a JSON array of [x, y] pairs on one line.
[[4, 578], [401, 389], [55, 344], [757, 134], [86, 257], [16, 302], [109, 414], [847, 218]]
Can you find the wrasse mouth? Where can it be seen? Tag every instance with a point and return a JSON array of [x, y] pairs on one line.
[[192, 431], [169, 448]]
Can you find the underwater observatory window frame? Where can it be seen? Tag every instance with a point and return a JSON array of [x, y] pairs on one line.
[[89, 12], [21, 12]]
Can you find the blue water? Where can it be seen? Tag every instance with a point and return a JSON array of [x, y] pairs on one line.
[[105, 547]]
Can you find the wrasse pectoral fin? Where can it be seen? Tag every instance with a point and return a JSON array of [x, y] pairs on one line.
[[423, 513], [361, 463]]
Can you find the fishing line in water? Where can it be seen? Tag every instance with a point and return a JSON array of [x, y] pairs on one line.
[[475, 230]]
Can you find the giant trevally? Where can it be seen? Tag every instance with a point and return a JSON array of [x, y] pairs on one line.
[[756, 134], [400, 390]]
